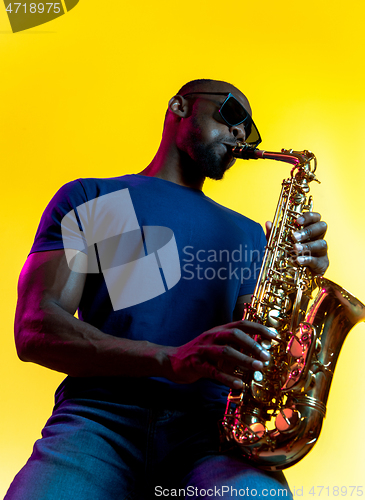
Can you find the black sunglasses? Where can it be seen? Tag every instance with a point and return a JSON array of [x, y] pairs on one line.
[[233, 113]]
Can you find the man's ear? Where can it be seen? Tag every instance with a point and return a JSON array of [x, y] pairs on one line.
[[179, 106]]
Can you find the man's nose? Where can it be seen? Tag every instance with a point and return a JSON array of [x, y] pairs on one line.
[[239, 132]]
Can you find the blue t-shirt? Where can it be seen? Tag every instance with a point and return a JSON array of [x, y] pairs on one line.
[[166, 263]]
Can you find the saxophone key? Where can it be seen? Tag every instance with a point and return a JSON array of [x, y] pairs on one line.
[[274, 318], [287, 420]]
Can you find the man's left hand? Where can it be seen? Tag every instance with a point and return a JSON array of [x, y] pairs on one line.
[[309, 245]]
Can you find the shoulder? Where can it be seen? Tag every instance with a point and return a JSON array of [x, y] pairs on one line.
[[94, 187], [78, 191]]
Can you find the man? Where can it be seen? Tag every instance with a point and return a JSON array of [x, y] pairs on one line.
[[156, 346]]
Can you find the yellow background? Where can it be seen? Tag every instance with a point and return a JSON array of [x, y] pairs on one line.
[[85, 95]]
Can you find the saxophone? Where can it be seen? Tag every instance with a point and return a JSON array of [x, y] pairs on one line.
[[276, 418]]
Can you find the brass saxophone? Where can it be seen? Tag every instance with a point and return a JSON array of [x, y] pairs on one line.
[[277, 416]]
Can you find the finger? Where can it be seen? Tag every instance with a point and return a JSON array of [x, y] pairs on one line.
[[312, 232], [232, 381], [268, 228], [237, 353], [318, 265], [235, 341], [307, 218], [316, 248], [209, 370], [230, 359], [252, 328], [225, 369]]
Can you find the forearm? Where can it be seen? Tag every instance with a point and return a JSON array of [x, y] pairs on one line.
[[52, 337], [56, 339]]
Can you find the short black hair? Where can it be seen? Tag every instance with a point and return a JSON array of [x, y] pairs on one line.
[[194, 85]]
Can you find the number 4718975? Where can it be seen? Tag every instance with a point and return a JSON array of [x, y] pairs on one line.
[[337, 491], [33, 8]]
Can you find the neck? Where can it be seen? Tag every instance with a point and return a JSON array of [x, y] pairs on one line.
[[169, 164]]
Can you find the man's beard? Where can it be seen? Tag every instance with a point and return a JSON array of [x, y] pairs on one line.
[[210, 163], [207, 162]]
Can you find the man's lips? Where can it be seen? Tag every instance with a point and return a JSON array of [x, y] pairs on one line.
[[229, 146]]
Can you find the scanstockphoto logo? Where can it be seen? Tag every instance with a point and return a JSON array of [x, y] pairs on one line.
[[221, 264], [138, 263], [25, 15]]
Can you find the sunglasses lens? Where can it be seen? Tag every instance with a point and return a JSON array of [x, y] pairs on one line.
[[234, 114], [252, 134]]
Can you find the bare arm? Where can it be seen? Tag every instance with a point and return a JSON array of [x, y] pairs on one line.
[[47, 333]]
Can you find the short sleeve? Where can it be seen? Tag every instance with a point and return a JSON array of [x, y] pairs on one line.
[[252, 260], [49, 232]]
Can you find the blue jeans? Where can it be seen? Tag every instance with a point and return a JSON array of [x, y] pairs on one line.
[[103, 450]]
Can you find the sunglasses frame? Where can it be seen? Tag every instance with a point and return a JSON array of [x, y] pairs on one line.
[[248, 116]]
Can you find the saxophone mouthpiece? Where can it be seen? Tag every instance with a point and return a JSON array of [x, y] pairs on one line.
[[246, 152]]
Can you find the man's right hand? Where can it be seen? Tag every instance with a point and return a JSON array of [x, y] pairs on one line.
[[47, 333], [216, 354]]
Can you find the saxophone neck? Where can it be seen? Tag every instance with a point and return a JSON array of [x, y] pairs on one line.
[[302, 161]]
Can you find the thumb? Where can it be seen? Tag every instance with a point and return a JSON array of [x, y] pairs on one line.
[[268, 227]]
